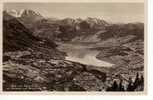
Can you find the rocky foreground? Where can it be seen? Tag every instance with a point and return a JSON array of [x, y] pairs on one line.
[[31, 71], [27, 71]]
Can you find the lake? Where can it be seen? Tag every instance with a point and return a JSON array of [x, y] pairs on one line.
[[81, 53]]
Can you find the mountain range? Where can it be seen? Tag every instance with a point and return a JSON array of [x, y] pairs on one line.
[[51, 27]]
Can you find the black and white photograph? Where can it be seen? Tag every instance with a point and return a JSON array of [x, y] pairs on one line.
[[73, 47]]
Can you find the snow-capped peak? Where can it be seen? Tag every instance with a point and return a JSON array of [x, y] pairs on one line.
[[15, 13], [29, 13], [22, 13]]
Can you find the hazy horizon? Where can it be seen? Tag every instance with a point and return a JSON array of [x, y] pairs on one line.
[[111, 12]]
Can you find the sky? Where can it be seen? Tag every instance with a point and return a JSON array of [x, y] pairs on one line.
[[111, 12]]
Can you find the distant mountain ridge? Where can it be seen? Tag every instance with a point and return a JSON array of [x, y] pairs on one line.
[[61, 29], [78, 29]]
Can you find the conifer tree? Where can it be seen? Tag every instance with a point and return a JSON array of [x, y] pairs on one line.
[[130, 85], [114, 86], [137, 81], [121, 87]]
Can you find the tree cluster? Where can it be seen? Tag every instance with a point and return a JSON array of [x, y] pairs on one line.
[[136, 85]]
